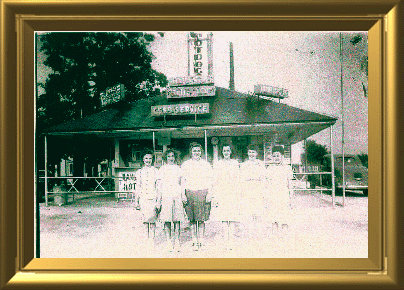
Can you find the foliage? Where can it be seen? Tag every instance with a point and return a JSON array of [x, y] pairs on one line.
[[364, 159], [314, 153], [85, 64]]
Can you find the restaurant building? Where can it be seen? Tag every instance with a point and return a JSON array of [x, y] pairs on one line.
[[191, 109], [123, 130]]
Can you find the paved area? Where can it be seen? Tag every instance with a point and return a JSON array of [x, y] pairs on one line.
[[100, 227]]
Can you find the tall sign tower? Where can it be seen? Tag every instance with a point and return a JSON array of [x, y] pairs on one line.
[[200, 55], [199, 81]]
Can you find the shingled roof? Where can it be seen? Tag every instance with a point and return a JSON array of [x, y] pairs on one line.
[[226, 108]]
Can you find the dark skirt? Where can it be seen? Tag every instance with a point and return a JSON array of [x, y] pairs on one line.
[[196, 208]]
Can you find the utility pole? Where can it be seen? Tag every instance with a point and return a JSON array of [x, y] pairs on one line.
[[342, 120], [231, 82]]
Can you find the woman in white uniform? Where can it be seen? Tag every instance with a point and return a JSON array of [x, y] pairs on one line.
[[170, 198], [226, 176], [147, 195], [280, 175], [197, 183], [252, 198]]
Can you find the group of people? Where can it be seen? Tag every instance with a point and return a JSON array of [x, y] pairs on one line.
[[228, 191]]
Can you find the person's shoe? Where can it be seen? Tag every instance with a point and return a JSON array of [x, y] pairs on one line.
[[167, 246], [195, 246], [229, 247], [176, 246]]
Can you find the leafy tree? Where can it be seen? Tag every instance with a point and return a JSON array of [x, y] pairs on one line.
[[85, 64], [364, 159], [314, 152]]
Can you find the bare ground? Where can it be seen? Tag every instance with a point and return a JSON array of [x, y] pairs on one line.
[[100, 227]]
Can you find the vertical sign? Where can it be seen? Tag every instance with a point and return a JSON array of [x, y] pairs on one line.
[[200, 55]]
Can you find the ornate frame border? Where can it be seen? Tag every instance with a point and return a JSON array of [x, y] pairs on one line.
[[383, 20]]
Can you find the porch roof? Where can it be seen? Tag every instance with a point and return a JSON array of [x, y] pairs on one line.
[[227, 108]]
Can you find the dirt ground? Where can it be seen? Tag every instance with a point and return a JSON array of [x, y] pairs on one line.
[[101, 227]]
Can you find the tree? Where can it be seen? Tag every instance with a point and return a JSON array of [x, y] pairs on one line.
[[364, 159], [85, 64], [363, 64], [314, 153]]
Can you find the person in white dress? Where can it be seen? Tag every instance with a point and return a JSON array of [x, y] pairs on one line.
[[197, 184], [226, 192], [280, 176], [146, 194], [169, 199], [252, 197]]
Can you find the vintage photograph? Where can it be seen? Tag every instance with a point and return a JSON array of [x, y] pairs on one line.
[[209, 144]]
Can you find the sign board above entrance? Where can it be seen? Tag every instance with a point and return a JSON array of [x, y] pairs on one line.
[[190, 81], [191, 92], [112, 95], [180, 109]]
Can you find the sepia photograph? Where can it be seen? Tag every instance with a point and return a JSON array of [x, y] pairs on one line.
[[201, 144]]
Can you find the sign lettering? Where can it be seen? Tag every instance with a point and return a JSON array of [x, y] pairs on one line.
[[191, 92], [180, 109], [190, 81], [127, 181], [112, 95]]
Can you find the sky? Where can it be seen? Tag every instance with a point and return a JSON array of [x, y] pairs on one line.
[[307, 64]]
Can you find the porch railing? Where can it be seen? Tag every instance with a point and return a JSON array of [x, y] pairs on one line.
[[78, 185], [321, 188]]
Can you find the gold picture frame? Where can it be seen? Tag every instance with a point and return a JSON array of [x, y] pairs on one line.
[[19, 20]]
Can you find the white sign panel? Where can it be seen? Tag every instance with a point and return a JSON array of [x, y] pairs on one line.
[[180, 109], [271, 91], [190, 81], [112, 95], [127, 181], [191, 92]]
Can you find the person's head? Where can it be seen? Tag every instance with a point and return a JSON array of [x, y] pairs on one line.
[[148, 157], [195, 150], [170, 156], [277, 154], [252, 151], [226, 150]]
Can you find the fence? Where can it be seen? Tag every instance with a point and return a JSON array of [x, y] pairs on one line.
[[74, 185], [77, 185], [320, 188]]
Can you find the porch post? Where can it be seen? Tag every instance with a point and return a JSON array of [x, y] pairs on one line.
[[332, 169], [115, 165], [46, 171], [206, 146], [154, 144]]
